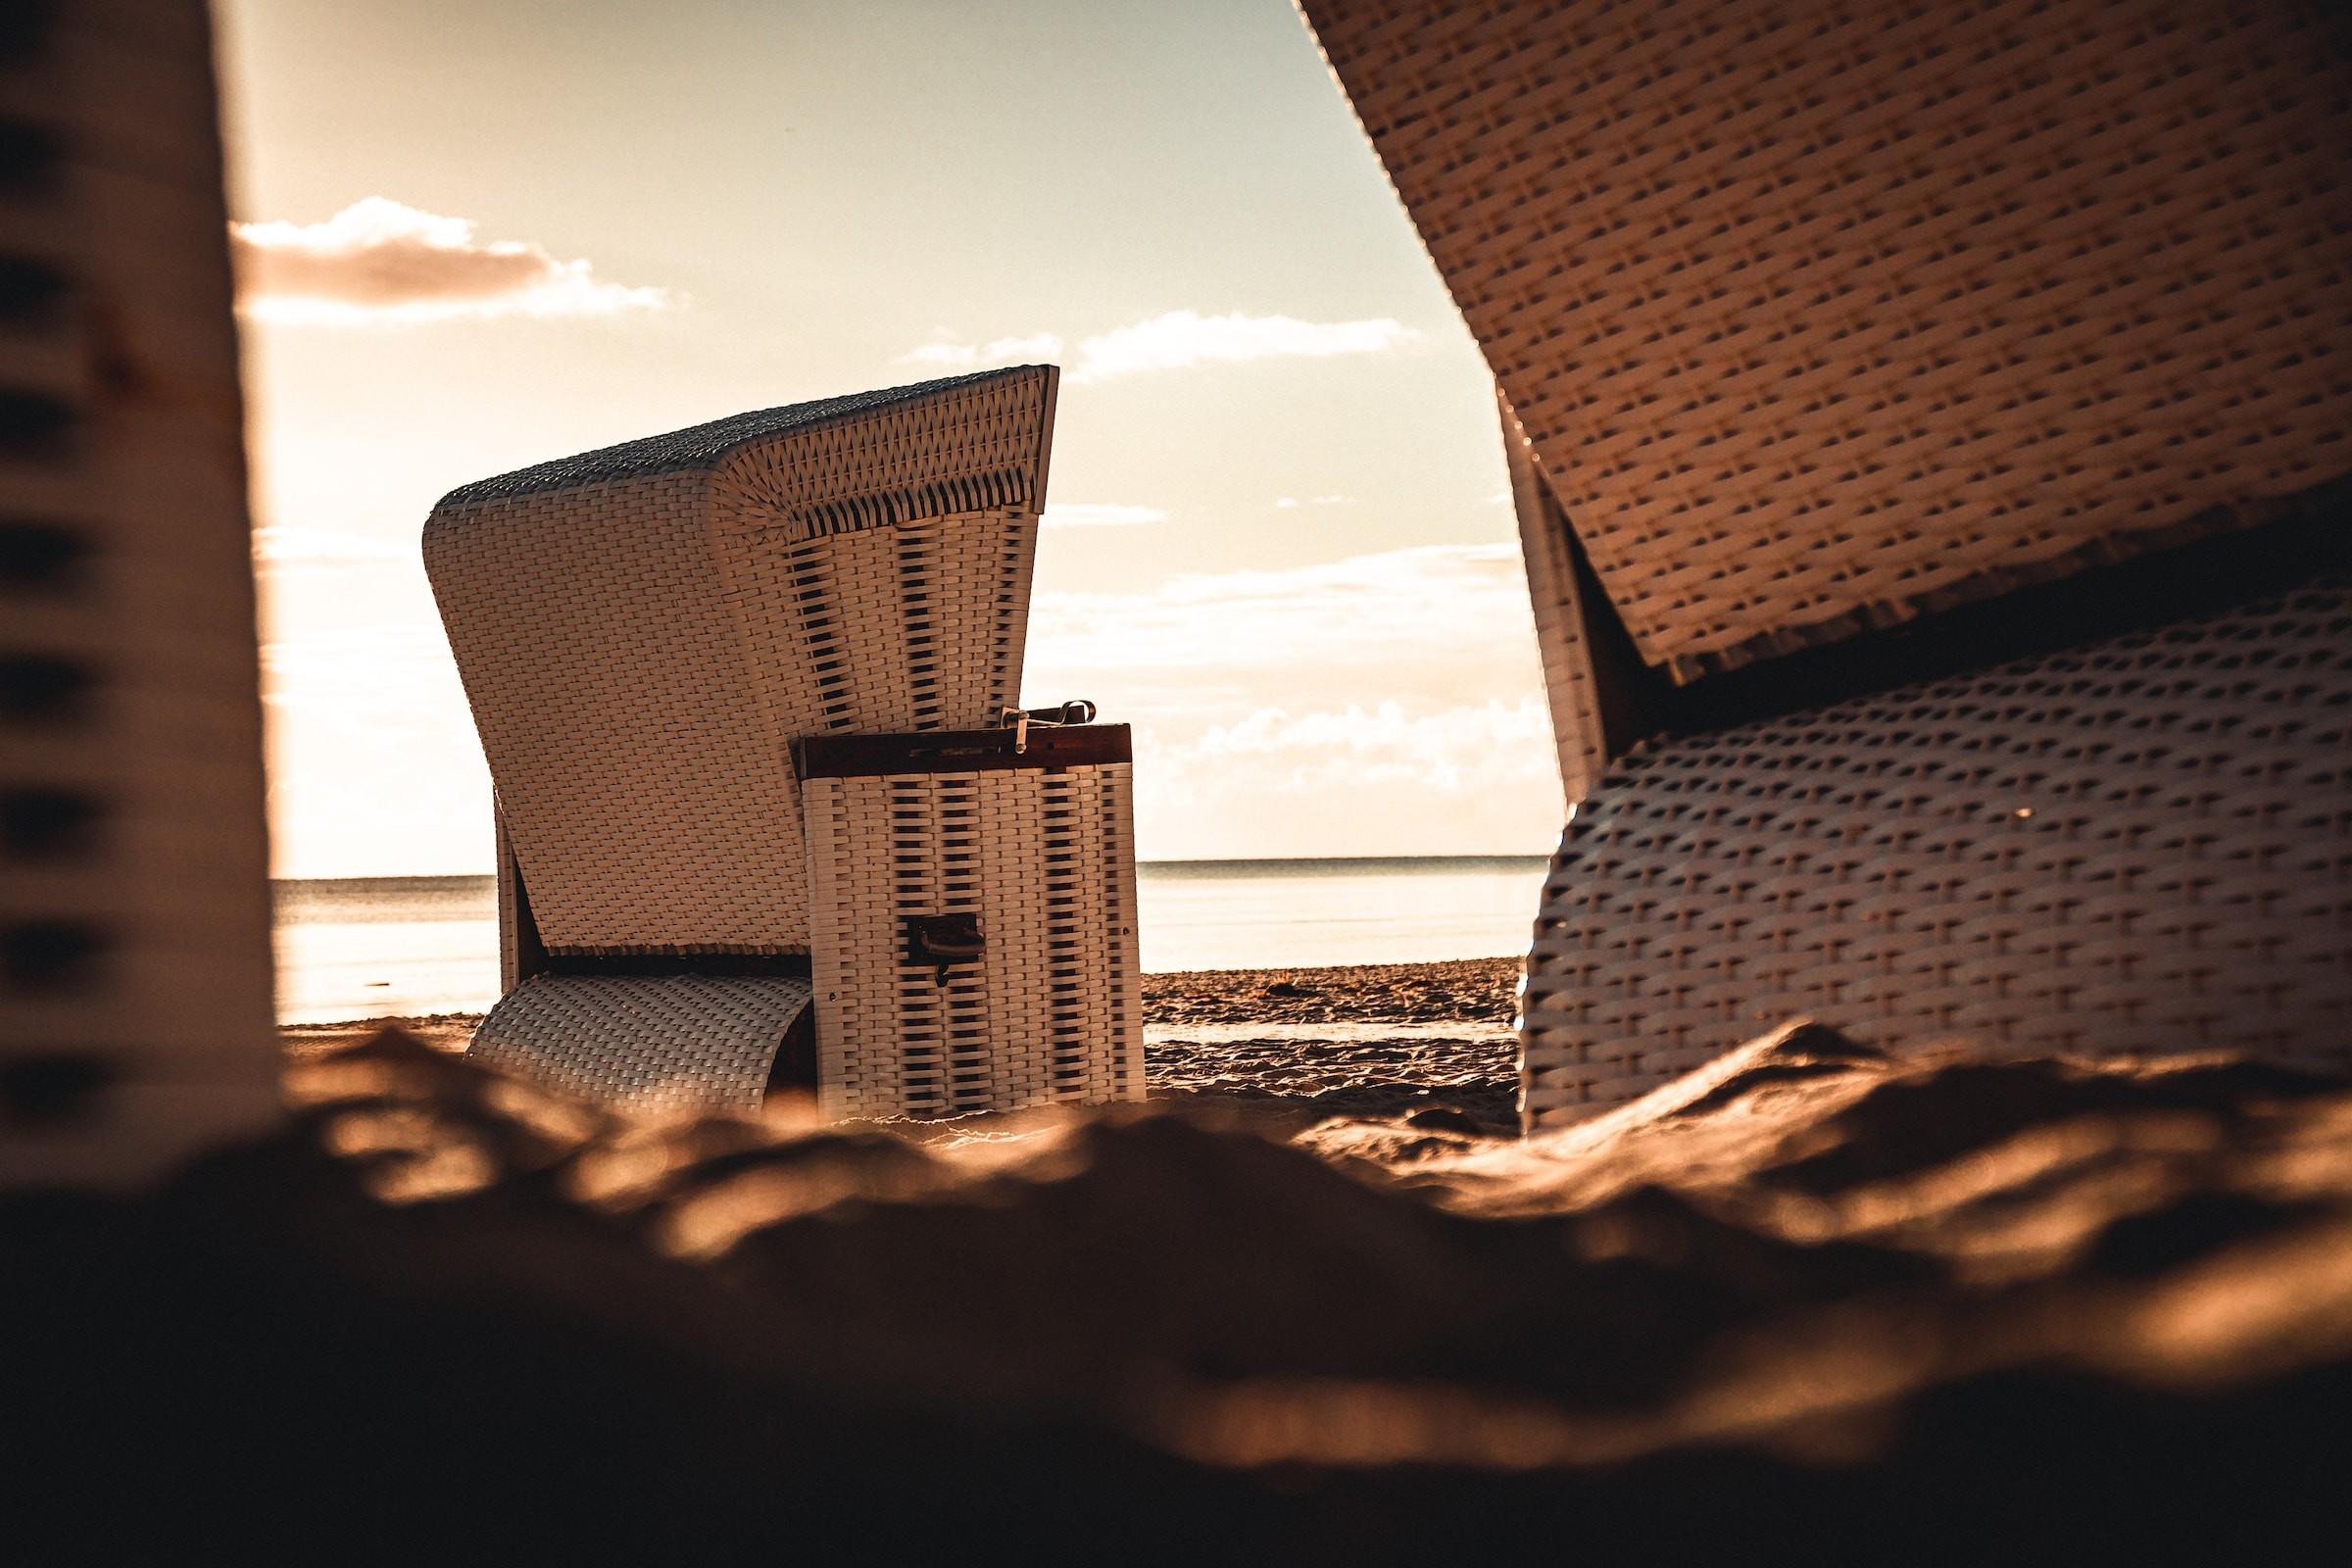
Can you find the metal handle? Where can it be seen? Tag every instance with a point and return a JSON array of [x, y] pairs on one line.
[[942, 939]]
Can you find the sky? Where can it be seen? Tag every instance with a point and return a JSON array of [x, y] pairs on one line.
[[471, 237]]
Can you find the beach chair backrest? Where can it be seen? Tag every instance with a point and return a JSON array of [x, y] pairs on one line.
[[643, 630]]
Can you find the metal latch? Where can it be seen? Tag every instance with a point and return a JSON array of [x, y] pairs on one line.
[[1078, 711]]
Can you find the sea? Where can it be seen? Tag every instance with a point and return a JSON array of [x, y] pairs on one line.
[[413, 946]]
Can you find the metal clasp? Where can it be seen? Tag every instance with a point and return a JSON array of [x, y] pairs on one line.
[[1078, 711]]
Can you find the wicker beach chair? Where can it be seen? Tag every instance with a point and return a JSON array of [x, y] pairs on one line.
[[1925, 425], [645, 632]]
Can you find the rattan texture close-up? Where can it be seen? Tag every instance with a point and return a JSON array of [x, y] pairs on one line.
[[648, 1045], [2141, 847], [1049, 1011], [643, 631], [1823, 317]]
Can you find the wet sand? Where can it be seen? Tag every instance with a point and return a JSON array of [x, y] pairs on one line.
[[1287, 1048]]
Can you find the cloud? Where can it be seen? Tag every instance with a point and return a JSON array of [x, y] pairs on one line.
[[948, 354], [369, 670], [1450, 750], [1432, 622], [1175, 340], [1099, 515], [1182, 338], [1292, 503], [378, 261], [372, 761], [278, 549], [1379, 704]]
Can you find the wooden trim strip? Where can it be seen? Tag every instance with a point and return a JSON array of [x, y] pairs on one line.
[[960, 751], [2257, 548]]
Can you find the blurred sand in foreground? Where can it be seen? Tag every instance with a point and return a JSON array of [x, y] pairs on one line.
[[1814, 1301]]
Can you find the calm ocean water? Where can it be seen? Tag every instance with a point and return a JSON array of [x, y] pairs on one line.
[[361, 946]]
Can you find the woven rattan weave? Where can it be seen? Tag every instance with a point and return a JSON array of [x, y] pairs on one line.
[[1821, 317], [1039, 853], [2144, 845], [643, 630], [1843, 347], [652, 1045]]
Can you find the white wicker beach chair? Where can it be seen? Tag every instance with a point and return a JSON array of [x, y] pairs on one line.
[[644, 633], [1922, 421]]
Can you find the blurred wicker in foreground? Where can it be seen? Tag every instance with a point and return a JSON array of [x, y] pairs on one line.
[[135, 907]]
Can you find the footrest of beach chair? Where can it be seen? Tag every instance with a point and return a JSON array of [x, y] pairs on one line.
[[652, 1045]]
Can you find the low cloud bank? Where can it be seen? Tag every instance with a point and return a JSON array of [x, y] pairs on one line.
[[379, 262], [1099, 515], [1172, 340], [1388, 703]]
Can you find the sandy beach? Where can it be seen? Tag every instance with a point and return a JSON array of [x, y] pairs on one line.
[[1278, 1048]]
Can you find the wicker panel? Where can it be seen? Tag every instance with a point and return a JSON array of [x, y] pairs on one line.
[[918, 625], [1569, 682], [2141, 847], [643, 630], [650, 1045], [935, 445], [1120, 992], [1049, 1011], [973, 443], [513, 961], [134, 920], [643, 791], [1822, 318]]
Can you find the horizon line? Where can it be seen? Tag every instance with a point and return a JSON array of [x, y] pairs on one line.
[[1236, 859]]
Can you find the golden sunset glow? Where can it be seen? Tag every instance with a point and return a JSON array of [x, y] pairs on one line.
[[1277, 540]]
